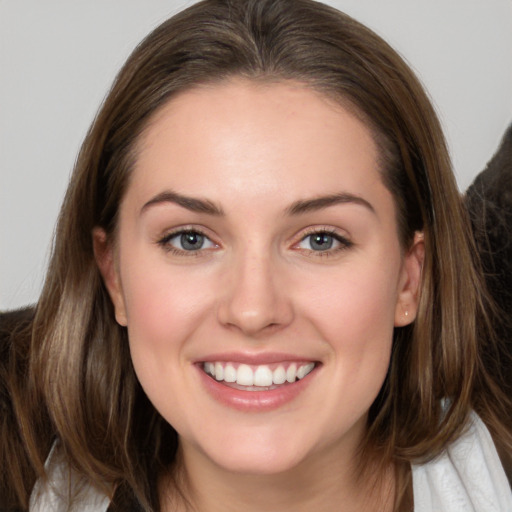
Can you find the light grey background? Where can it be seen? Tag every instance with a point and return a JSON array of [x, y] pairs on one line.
[[58, 58]]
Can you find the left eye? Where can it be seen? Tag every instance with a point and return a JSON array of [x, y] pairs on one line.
[[188, 241], [322, 241]]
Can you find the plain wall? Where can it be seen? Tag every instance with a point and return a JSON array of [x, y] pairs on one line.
[[58, 59]]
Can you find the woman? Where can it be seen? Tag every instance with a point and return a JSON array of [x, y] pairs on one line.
[[262, 294]]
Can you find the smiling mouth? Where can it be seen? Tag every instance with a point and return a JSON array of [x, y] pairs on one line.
[[257, 377]]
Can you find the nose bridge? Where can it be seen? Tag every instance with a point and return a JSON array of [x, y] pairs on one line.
[[253, 301]]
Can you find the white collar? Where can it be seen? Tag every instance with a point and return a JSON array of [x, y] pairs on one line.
[[62, 483], [466, 477]]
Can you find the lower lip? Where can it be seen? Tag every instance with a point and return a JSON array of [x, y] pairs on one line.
[[255, 401]]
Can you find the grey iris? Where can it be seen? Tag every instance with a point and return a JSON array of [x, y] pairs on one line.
[[321, 241], [191, 241]]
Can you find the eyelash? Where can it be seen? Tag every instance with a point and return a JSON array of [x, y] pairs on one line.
[[164, 242], [343, 242]]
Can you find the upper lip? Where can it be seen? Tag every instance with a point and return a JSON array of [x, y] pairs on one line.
[[254, 358]]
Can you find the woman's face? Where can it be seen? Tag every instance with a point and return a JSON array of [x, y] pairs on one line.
[[259, 273]]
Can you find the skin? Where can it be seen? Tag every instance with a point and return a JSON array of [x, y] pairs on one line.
[[258, 286]]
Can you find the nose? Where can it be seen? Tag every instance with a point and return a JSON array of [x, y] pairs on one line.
[[255, 300]]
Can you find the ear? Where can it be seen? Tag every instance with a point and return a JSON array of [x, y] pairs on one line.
[[410, 282], [104, 254]]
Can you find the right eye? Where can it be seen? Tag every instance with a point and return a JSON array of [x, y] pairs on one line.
[[186, 241]]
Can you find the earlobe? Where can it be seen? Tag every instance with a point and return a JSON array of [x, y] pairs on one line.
[[105, 259], [410, 282]]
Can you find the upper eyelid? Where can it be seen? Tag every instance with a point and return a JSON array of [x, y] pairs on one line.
[[168, 234], [164, 242], [330, 230], [337, 233], [344, 241]]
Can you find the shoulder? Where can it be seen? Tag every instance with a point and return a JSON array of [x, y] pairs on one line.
[[14, 343], [14, 340], [17, 471], [466, 476], [489, 203]]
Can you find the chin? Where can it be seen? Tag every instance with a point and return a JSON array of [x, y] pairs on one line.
[[256, 452], [270, 462]]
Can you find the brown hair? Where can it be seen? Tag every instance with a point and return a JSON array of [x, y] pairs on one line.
[[80, 363]]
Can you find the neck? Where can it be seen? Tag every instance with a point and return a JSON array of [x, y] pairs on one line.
[[326, 482]]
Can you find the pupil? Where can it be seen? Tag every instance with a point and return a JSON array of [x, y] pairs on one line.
[[321, 242], [191, 241]]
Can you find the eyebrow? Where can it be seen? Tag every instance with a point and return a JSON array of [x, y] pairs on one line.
[[190, 203], [297, 208], [318, 203]]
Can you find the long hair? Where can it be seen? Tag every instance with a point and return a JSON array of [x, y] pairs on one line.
[[80, 364]]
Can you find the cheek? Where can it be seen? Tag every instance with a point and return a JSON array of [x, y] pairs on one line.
[[158, 295], [164, 307], [357, 306], [355, 316]]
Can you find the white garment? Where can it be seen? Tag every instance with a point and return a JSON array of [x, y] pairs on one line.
[[466, 477], [53, 495]]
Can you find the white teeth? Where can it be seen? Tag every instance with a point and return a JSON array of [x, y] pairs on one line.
[[229, 373], [291, 373], [245, 375], [279, 375], [261, 376], [304, 370], [219, 371]]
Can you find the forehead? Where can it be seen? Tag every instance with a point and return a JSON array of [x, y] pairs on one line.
[[255, 134]]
